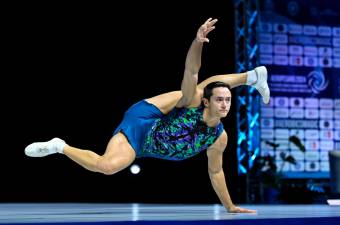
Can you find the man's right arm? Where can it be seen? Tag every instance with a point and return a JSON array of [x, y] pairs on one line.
[[193, 64]]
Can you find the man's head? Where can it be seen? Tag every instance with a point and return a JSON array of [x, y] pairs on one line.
[[217, 98]]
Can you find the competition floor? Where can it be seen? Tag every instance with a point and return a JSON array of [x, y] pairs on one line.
[[74, 213]]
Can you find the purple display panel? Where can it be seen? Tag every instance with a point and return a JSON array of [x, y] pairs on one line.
[[299, 43]]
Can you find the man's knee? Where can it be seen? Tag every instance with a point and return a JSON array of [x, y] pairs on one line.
[[107, 167]]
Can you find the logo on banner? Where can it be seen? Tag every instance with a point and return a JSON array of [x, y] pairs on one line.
[[317, 81], [293, 8]]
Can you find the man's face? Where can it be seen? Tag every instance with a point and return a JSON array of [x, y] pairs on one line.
[[220, 102]]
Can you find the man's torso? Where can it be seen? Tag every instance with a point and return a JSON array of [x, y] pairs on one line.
[[179, 135]]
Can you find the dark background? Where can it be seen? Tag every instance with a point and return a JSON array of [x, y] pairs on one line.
[[73, 70]]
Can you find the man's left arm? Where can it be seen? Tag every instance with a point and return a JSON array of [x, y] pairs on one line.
[[216, 174]]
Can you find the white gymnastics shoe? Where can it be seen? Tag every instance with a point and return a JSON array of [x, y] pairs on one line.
[[41, 149], [261, 83]]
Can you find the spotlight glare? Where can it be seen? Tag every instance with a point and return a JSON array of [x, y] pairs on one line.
[[135, 169]]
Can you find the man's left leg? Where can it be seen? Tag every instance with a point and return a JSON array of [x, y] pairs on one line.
[[118, 155]]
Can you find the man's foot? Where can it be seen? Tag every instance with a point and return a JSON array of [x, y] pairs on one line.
[[261, 84], [41, 149]]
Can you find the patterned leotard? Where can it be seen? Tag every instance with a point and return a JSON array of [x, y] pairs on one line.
[[179, 135]]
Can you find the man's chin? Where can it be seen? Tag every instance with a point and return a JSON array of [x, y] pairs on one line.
[[224, 114]]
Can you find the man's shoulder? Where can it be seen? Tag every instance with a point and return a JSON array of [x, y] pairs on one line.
[[222, 139]]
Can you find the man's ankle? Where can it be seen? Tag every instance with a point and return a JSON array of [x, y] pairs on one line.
[[251, 77]]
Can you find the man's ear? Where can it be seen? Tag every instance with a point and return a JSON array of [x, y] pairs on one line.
[[205, 102]]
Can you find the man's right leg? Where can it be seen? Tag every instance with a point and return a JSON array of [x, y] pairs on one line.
[[165, 102], [256, 78], [118, 155], [233, 80]]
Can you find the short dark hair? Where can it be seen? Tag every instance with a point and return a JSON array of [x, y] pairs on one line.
[[207, 92]]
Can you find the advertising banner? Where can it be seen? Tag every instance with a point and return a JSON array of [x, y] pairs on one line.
[[299, 43]]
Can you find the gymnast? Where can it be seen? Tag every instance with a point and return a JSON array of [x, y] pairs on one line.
[[172, 126]]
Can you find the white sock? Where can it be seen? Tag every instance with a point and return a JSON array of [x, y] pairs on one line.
[[251, 77], [59, 146]]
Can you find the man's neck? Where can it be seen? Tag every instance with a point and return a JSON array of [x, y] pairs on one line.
[[209, 120]]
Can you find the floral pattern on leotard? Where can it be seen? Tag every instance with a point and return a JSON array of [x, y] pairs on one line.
[[180, 134]]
